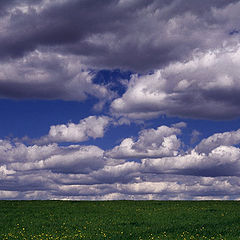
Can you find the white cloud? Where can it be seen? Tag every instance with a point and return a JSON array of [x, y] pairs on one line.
[[19, 152], [218, 139], [151, 187], [8, 194], [90, 127], [70, 159], [4, 172], [119, 173], [221, 161], [158, 142], [179, 125], [79, 159], [160, 169], [207, 86]]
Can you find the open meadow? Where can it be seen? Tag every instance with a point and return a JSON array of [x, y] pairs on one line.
[[120, 220]]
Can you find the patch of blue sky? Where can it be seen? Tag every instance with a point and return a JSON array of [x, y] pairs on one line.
[[114, 79], [34, 117]]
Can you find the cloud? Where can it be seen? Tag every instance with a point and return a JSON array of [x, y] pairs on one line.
[[83, 172], [136, 35], [179, 187], [4, 172], [152, 166], [219, 139], [206, 87], [48, 75], [90, 127], [70, 159], [126, 172], [194, 136], [46, 55], [179, 125], [150, 143], [54, 50], [19, 152], [167, 187], [221, 161], [214, 156], [8, 195]]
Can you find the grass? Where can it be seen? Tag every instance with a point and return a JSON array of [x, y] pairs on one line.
[[128, 220]]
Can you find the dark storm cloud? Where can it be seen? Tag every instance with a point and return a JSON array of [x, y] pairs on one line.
[[135, 35], [40, 41], [44, 75], [27, 91], [5, 5], [57, 24]]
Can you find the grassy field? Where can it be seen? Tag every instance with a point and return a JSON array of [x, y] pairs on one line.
[[120, 220]]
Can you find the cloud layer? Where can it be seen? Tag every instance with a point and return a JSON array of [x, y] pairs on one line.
[[153, 166]]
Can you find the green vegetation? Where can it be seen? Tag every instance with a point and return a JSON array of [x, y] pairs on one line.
[[120, 220]]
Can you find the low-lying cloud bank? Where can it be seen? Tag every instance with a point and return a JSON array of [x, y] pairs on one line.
[[152, 166]]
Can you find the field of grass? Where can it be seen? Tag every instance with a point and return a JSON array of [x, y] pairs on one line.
[[128, 220]]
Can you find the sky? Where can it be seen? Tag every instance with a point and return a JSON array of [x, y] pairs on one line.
[[120, 99]]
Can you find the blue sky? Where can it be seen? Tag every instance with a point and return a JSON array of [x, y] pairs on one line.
[[119, 99]]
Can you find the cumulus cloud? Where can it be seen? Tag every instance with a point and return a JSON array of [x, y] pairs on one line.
[[125, 172], [221, 161], [19, 152], [213, 156], [4, 172], [90, 127], [150, 143], [81, 172], [151, 167], [73, 159], [207, 87], [219, 139]]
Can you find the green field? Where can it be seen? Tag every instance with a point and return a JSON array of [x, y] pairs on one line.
[[120, 220]]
